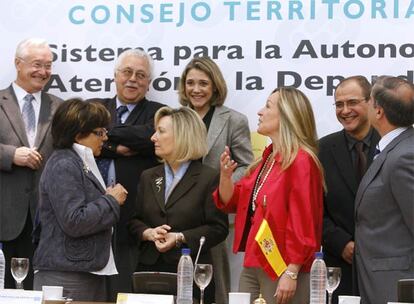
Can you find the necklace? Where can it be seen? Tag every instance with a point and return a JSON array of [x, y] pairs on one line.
[[259, 183]]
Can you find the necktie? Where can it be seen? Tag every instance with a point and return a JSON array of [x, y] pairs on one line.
[[377, 152], [104, 163], [119, 112], [28, 114], [361, 160]]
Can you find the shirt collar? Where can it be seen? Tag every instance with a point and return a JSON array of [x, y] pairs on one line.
[[389, 137], [180, 172], [130, 106], [351, 141], [21, 93], [86, 154]]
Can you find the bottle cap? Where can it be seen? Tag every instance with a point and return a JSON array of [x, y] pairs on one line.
[[186, 251], [319, 255]]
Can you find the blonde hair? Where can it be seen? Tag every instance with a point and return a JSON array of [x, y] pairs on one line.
[[190, 134], [212, 70], [297, 128]]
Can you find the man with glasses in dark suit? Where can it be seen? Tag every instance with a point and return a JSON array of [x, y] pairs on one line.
[[128, 152], [345, 156]]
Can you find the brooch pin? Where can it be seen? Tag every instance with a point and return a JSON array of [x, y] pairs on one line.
[[86, 169], [158, 183]]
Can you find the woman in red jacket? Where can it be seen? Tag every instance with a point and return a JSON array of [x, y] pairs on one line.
[[278, 204]]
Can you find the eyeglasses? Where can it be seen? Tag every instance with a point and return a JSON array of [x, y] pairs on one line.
[[127, 73], [37, 65], [100, 133], [350, 103]]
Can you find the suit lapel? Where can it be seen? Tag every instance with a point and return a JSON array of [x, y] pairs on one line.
[[369, 176], [343, 160], [377, 164], [136, 112], [218, 121], [158, 186], [111, 107], [185, 184], [88, 173], [94, 180], [374, 140], [11, 109], [45, 119]]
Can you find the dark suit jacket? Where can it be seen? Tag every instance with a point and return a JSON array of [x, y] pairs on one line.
[[18, 185], [338, 223], [76, 216], [190, 209], [384, 222], [135, 133]]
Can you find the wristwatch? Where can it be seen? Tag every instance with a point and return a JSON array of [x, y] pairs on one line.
[[291, 274]]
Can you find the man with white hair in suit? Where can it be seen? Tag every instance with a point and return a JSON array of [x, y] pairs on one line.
[[26, 113]]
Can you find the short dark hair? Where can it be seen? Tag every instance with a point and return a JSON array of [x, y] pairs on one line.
[[77, 117], [396, 96], [212, 70], [362, 81]]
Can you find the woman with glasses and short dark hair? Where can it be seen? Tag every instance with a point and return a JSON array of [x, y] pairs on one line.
[[76, 210]]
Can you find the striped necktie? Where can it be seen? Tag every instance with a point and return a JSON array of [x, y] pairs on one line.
[[28, 114]]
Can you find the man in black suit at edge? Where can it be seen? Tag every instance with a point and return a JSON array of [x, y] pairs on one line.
[[345, 156], [128, 152]]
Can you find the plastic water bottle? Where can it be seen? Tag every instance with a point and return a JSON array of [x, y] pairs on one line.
[[318, 280], [185, 278], [2, 267]]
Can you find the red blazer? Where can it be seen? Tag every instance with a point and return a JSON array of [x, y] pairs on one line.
[[294, 210]]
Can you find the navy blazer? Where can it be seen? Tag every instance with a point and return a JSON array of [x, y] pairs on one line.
[[190, 209], [76, 216]]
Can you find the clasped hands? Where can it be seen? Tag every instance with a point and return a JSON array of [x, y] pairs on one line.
[[163, 239]]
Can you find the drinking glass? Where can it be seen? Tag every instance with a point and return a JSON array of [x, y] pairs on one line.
[[333, 277], [19, 269], [202, 277]]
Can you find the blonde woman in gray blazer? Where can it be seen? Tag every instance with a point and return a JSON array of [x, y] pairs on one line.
[[203, 88]]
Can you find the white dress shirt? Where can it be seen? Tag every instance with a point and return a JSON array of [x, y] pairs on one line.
[[389, 137]]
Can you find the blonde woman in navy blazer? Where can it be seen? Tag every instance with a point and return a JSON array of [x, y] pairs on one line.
[[203, 88], [170, 217]]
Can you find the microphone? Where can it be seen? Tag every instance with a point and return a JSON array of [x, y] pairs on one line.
[[202, 240]]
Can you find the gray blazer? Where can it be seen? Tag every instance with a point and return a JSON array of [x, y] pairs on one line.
[[384, 222], [76, 216], [18, 185], [231, 128]]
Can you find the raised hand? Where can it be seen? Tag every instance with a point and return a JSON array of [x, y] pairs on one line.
[[118, 192], [227, 165]]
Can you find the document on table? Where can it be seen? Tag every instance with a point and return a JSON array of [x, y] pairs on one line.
[[18, 296]]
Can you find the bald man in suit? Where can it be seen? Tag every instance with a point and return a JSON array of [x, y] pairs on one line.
[[25, 144], [384, 204]]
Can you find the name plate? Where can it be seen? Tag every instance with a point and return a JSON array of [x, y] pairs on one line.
[[17, 296], [140, 298]]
